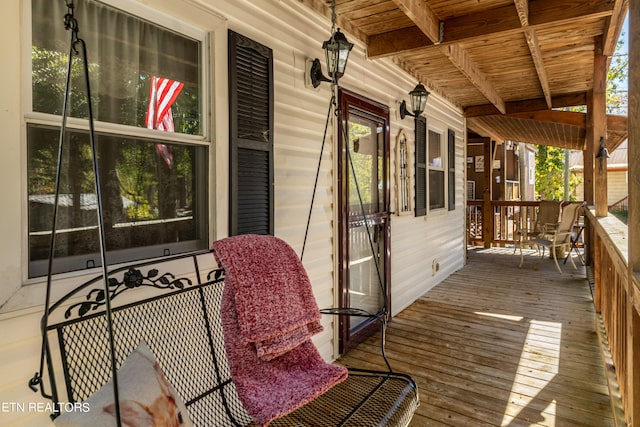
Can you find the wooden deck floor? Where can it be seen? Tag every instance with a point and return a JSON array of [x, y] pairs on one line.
[[496, 345]]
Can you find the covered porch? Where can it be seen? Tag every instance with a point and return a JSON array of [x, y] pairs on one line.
[[512, 67], [492, 344], [495, 344]]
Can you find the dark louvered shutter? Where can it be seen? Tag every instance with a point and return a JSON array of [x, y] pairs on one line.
[[251, 136], [421, 166], [451, 162]]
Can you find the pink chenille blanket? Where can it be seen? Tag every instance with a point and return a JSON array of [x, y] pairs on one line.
[[269, 314]]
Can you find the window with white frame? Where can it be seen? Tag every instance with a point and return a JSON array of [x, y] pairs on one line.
[[148, 102], [436, 165]]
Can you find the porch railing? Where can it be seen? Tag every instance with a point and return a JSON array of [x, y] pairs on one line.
[[617, 299], [620, 205], [505, 219], [616, 290]]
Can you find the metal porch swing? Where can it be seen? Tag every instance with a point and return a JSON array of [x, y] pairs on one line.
[[71, 24], [87, 338], [381, 316], [337, 50]]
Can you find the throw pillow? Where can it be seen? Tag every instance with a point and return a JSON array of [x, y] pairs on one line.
[[146, 398]]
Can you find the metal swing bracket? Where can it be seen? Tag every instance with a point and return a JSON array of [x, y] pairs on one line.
[[77, 48]]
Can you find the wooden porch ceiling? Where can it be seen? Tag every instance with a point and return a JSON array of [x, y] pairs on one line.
[[558, 128], [495, 344], [486, 56]]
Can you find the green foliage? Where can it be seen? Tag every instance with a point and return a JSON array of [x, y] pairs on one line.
[[140, 212], [550, 174], [550, 160], [49, 81], [136, 165], [617, 100], [362, 166], [622, 215]]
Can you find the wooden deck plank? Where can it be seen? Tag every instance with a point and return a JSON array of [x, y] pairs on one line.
[[490, 362], [498, 345]]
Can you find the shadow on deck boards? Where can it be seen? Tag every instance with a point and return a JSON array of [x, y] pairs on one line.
[[498, 345]]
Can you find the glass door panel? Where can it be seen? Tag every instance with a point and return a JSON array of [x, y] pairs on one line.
[[366, 203], [364, 218]]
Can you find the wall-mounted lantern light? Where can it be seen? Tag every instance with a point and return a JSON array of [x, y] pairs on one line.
[[336, 51], [418, 102]]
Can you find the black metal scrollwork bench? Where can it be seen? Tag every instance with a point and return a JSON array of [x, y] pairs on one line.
[[177, 314]]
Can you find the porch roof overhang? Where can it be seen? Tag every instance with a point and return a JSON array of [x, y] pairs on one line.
[[495, 58], [564, 129]]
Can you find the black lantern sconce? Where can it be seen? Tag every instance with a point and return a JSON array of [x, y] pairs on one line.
[[603, 153], [336, 50], [418, 102]]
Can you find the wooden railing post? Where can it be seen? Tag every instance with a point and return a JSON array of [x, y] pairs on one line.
[[487, 211], [633, 357], [588, 154], [487, 222], [599, 117], [596, 251], [617, 299], [633, 417]]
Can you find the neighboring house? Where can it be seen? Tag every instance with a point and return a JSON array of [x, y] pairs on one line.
[[512, 169], [232, 57], [617, 174], [527, 159]]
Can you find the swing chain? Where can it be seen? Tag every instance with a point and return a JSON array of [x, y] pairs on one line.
[[71, 23], [333, 17]]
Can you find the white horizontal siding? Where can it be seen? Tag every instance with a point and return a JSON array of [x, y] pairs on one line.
[[617, 186], [295, 34], [417, 242], [19, 359], [11, 212]]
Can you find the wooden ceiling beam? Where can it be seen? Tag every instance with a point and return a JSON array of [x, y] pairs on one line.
[[570, 118], [522, 7], [549, 121], [422, 16], [614, 27], [324, 9], [538, 104], [617, 124], [538, 61], [504, 20], [402, 40], [467, 66], [541, 15]]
